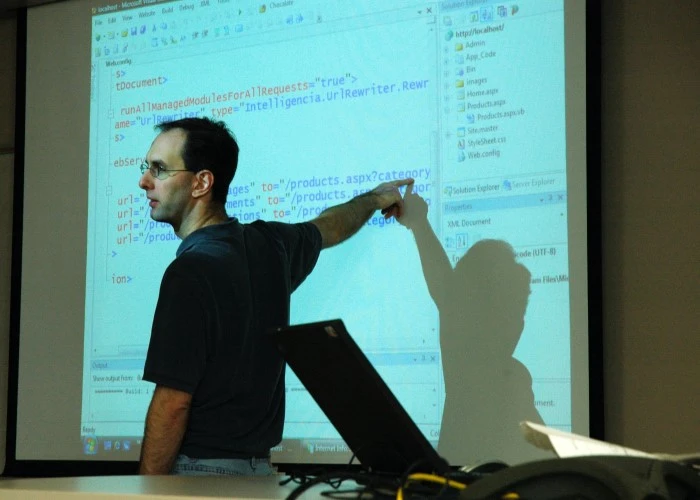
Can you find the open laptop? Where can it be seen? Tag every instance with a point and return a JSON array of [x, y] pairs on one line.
[[356, 400]]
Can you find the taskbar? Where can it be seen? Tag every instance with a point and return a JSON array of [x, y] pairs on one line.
[[111, 447]]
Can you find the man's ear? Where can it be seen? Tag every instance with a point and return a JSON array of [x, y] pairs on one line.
[[203, 183]]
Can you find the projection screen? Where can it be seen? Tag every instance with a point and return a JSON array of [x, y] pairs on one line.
[[483, 103]]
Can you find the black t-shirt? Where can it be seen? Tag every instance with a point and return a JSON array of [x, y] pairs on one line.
[[229, 284]]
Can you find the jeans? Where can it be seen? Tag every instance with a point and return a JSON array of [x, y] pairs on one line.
[[186, 466]]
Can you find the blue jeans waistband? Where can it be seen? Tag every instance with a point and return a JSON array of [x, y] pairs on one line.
[[250, 466]]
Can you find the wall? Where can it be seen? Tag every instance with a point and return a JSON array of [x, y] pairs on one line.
[[651, 242]]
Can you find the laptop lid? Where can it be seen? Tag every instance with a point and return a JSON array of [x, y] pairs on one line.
[[356, 399]]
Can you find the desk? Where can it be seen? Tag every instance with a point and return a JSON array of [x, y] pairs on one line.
[[151, 487]]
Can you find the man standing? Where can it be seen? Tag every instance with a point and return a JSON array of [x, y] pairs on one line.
[[218, 405]]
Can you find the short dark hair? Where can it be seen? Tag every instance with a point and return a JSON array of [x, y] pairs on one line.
[[209, 145]]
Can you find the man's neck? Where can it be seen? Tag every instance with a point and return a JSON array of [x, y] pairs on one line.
[[197, 220]]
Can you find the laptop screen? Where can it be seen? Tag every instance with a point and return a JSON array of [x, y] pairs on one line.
[[356, 400]]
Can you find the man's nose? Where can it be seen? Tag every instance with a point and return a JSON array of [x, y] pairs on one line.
[[146, 181]]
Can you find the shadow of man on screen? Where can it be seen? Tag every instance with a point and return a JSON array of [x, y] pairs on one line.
[[481, 303]]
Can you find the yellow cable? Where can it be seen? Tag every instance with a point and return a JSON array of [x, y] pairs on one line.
[[420, 476]]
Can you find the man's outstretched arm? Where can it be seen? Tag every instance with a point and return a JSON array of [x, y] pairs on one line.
[[338, 223]]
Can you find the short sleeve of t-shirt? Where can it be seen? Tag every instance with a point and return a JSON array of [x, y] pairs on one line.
[[302, 243], [177, 350]]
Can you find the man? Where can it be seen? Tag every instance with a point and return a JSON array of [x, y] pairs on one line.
[[218, 405]]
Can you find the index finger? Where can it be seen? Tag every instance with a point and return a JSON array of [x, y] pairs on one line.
[[403, 182]]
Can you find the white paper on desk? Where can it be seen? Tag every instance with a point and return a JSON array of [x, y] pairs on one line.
[[566, 444]]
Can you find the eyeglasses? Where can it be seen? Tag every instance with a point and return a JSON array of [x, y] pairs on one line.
[[158, 171]]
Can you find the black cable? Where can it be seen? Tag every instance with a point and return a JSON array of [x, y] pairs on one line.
[[371, 482], [323, 478]]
